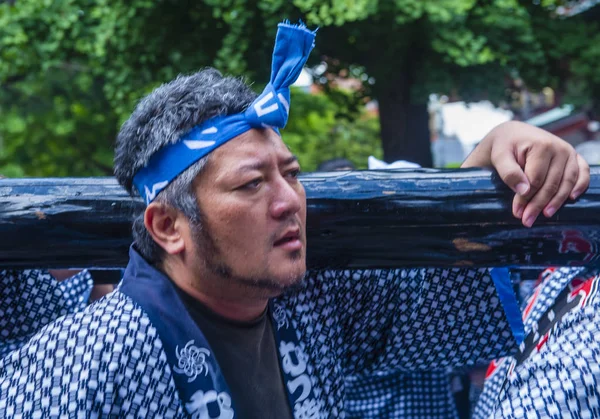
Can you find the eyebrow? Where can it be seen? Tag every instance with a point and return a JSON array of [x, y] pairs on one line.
[[293, 158], [260, 165]]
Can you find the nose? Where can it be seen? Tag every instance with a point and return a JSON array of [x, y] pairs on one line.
[[287, 199]]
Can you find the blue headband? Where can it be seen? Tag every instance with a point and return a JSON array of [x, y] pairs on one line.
[[292, 47]]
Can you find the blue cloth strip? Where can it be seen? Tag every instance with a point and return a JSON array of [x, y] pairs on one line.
[[293, 45], [508, 299]]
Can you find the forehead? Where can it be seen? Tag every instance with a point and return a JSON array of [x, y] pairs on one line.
[[263, 145]]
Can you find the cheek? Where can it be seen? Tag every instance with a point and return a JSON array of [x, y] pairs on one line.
[[302, 196], [238, 226]]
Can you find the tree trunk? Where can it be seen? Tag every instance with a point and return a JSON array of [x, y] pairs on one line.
[[404, 125]]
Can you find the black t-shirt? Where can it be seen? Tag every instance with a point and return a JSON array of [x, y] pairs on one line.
[[247, 355]]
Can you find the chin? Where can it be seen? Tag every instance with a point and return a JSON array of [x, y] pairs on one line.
[[292, 277], [277, 285]]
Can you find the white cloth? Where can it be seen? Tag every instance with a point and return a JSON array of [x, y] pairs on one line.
[[376, 164]]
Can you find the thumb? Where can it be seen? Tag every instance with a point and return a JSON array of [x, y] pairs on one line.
[[511, 173]]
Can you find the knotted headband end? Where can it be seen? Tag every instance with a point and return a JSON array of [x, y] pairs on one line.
[[293, 45]]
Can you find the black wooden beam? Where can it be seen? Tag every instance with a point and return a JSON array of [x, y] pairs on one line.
[[355, 219]]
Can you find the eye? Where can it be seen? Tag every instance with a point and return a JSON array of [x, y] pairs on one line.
[[252, 185], [293, 174]]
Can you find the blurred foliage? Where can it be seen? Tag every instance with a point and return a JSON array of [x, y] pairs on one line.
[[572, 53], [462, 48], [72, 70], [320, 129], [59, 126]]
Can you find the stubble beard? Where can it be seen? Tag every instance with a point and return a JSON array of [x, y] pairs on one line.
[[215, 263]]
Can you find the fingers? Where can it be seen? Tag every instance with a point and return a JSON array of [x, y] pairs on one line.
[[566, 178], [510, 172], [569, 180], [544, 185], [583, 181], [537, 167]]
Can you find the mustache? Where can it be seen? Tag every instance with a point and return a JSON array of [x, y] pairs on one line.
[[291, 224]]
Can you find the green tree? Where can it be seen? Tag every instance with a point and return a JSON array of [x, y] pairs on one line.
[[71, 70], [571, 49], [463, 48], [59, 126]]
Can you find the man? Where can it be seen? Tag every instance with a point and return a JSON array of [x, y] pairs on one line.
[[215, 317], [556, 372]]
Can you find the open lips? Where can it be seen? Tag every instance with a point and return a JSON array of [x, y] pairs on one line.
[[290, 240]]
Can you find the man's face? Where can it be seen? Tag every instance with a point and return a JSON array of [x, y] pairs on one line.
[[253, 214]]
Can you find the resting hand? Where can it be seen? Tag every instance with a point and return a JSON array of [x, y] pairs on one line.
[[543, 170]]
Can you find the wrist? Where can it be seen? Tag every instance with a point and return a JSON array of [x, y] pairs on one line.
[[481, 156]]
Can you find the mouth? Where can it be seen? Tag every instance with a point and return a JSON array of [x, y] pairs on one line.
[[289, 241]]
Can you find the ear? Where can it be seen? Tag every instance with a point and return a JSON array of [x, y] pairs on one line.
[[166, 225]]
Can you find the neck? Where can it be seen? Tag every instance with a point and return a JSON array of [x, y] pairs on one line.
[[227, 303], [232, 309]]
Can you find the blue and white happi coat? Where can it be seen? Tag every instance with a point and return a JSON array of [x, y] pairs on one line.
[[136, 352], [556, 374], [31, 299]]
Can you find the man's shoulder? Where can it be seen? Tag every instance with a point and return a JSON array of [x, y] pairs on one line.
[[114, 323], [330, 292], [116, 314], [111, 347], [385, 273], [337, 274], [352, 278]]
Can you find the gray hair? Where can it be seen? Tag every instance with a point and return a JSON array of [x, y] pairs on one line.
[[162, 118]]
